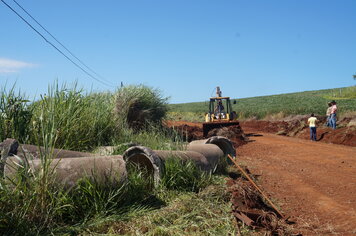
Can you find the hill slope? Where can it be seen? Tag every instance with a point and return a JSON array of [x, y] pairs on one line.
[[283, 104]]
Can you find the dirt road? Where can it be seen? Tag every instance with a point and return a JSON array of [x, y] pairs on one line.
[[313, 182]]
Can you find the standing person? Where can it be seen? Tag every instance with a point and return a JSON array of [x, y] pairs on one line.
[[328, 114], [333, 115], [312, 126]]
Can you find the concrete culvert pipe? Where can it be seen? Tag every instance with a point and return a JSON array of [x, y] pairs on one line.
[[153, 160], [211, 152], [222, 142], [104, 170], [33, 151]]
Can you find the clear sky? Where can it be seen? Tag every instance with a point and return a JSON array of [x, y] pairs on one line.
[[184, 47]]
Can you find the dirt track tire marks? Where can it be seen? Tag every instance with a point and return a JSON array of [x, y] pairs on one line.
[[314, 183]]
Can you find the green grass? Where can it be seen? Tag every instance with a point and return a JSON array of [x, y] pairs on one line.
[[285, 104], [34, 204], [154, 137], [184, 176], [79, 121], [15, 115], [207, 212], [186, 201]]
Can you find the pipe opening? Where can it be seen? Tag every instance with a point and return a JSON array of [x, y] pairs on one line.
[[146, 159], [224, 144], [141, 162]]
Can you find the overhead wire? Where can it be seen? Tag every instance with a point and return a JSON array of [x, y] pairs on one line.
[[72, 54], [60, 51]]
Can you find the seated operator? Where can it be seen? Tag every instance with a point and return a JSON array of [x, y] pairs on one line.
[[219, 110]]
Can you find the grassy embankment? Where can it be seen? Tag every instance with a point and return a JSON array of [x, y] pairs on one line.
[[70, 118], [275, 106]]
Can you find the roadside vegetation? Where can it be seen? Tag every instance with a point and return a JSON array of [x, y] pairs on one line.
[[66, 117], [283, 105]]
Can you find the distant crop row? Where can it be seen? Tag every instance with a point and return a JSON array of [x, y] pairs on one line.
[[286, 104]]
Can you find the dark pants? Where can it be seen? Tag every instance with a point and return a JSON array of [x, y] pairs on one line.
[[313, 133], [328, 122], [333, 120]]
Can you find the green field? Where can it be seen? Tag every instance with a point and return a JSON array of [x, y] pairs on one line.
[[281, 105]]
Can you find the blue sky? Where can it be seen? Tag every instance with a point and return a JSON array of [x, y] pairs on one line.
[[185, 48]]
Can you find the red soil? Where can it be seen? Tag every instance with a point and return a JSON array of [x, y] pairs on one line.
[[298, 128], [312, 182], [192, 131]]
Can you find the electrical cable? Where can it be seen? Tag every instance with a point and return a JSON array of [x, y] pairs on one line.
[[72, 54], [60, 51]]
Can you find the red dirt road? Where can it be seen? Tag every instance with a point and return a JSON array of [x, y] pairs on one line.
[[314, 183]]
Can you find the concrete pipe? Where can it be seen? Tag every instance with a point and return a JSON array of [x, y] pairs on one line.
[[222, 142], [153, 160], [35, 152], [103, 169], [211, 152], [12, 147], [7, 148]]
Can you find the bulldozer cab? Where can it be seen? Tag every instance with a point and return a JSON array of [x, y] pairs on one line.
[[219, 109], [220, 113]]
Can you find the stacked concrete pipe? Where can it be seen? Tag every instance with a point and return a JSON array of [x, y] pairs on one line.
[[70, 166], [11, 147], [34, 152], [222, 142], [211, 152], [103, 170], [205, 153], [153, 160]]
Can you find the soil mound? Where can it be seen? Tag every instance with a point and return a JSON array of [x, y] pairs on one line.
[[190, 131], [234, 133], [297, 127]]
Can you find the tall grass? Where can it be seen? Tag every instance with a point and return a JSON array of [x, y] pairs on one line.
[[32, 206], [15, 115], [79, 121], [32, 203]]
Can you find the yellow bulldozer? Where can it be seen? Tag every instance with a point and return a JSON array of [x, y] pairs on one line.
[[220, 113]]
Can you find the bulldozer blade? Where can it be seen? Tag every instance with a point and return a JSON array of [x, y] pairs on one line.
[[207, 126]]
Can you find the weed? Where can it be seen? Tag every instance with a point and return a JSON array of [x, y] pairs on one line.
[[184, 176]]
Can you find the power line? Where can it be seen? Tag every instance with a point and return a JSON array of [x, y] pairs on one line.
[[60, 51], [59, 42]]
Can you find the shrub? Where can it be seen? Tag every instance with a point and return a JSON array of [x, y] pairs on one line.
[[138, 106]]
